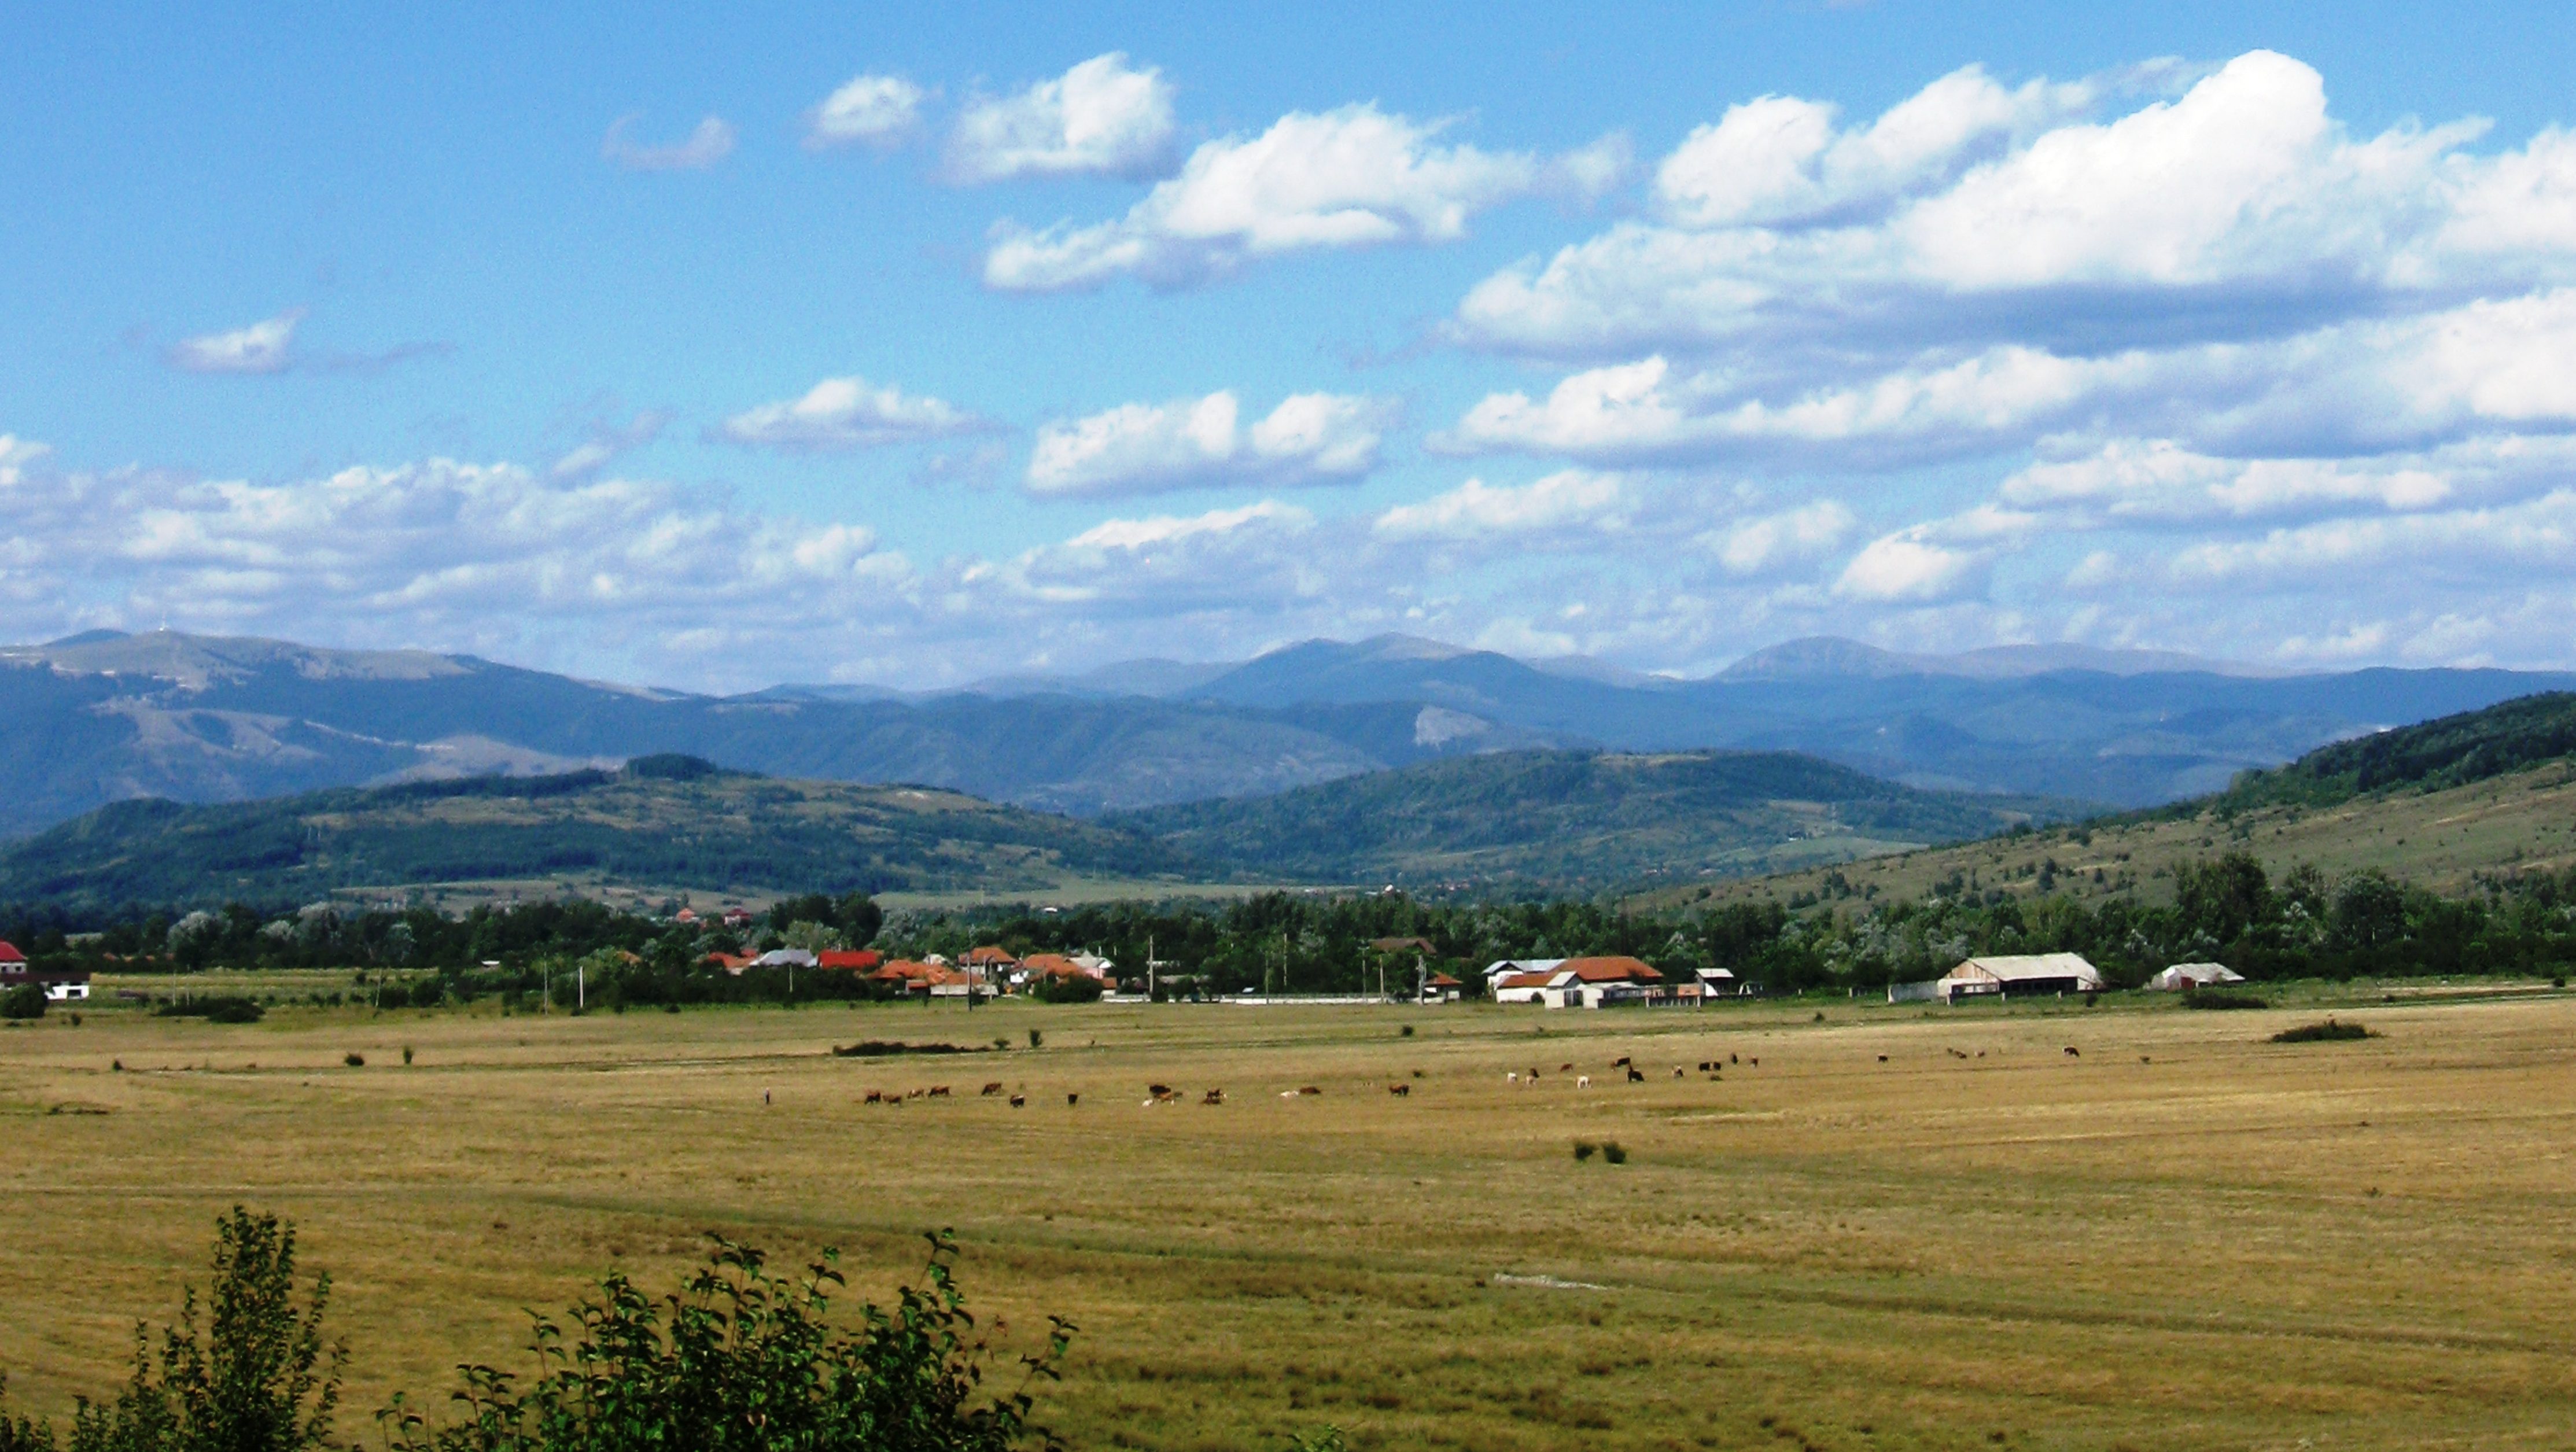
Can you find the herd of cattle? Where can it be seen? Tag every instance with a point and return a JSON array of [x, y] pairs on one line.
[[1156, 1094]]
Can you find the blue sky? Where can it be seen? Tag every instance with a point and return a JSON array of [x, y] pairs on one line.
[[909, 345]]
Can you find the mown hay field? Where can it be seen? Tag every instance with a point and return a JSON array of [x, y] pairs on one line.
[[2182, 1236]]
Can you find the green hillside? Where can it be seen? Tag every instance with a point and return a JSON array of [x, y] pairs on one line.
[[2451, 751], [661, 822], [2442, 804], [1566, 819]]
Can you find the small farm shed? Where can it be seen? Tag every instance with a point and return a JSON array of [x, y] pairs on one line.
[[2184, 977], [2020, 975]]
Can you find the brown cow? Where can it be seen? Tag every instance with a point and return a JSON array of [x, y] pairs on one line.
[[1621, 1062], [993, 1088], [1635, 1076], [876, 1096], [1019, 1101], [1308, 1089], [938, 1091], [1399, 1090], [1214, 1096], [1071, 1100]]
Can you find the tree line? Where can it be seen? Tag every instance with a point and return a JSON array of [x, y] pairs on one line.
[[2227, 907]]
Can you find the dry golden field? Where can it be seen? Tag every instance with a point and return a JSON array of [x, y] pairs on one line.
[[2184, 1237]]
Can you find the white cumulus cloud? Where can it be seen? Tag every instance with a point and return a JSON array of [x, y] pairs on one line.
[[263, 347], [710, 142], [882, 112], [848, 413], [1356, 176], [1566, 503], [1143, 448], [1103, 117]]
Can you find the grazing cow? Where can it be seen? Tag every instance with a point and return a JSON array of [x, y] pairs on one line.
[[1756, 1063], [1730, 1058], [1677, 1071], [1071, 1100], [1159, 1091], [993, 1088], [2070, 1052], [1287, 1093], [915, 1094], [1511, 1077], [876, 1096], [1399, 1090], [938, 1091], [1636, 1075], [1565, 1068], [1705, 1065], [1583, 1081], [1214, 1096], [1954, 1053], [1308, 1089], [1882, 1058], [1621, 1062]]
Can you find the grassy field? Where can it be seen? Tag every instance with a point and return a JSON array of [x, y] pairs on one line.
[[2442, 839], [1905, 1228]]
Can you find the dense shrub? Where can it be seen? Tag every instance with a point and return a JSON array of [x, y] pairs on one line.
[[25, 1001], [2216, 998], [1069, 988], [2318, 1033], [259, 1378], [217, 1008], [736, 1360]]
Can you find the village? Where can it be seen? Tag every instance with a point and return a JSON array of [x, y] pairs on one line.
[[1606, 981]]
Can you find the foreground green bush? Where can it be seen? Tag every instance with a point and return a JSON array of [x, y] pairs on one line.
[[736, 1360]]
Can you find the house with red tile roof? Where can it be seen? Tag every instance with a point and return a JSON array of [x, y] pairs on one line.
[[1601, 981]]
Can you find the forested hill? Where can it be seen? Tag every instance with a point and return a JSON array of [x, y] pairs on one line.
[[1572, 819], [662, 822], [2448, 752]]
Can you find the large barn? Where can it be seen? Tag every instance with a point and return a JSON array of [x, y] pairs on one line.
[[2021, 975]]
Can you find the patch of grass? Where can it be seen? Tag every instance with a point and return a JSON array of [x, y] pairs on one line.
[[2221, 999]]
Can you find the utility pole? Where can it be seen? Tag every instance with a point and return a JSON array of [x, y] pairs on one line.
[[581, 986]]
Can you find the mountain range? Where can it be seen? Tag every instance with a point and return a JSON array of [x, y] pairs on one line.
[[104, 717]]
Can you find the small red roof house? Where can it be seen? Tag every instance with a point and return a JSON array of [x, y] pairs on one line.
[[685, 915], [1521, 987], [1595, 982], [859, 959], [904, 974], [732, 963], [1440, 986], [737, 917], [59, 985], [989, 957]]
